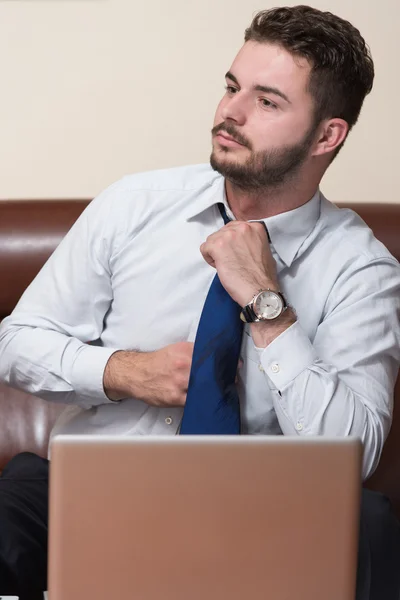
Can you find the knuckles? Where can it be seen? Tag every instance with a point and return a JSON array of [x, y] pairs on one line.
[[181, 363]]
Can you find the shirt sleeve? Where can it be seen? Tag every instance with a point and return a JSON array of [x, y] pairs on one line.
[[341, 382], [49, 345]]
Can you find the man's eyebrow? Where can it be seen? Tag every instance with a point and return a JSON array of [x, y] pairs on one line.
[[267, 89], [271, 90], [231, 76]]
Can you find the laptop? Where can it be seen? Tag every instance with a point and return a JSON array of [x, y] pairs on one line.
[[203, 518]]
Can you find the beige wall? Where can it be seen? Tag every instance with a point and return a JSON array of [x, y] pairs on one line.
[[93, 89]]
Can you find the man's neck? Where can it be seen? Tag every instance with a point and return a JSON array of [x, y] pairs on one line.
[[267, 202]]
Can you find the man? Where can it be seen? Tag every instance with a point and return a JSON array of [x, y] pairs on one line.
[[109, 323]]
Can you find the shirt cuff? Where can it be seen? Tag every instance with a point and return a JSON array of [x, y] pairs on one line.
[[287, 356], [87, 373]]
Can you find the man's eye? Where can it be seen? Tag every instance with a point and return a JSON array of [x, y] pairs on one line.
[[267, 103], [230, 89]]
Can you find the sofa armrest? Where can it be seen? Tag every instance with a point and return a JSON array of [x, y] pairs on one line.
[[25, 423]]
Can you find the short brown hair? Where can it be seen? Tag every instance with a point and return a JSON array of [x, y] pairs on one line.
[[342, 70]]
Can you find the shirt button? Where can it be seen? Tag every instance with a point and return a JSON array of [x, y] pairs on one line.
[[168, 421], [275, 368], [299, 426], [261, 367]]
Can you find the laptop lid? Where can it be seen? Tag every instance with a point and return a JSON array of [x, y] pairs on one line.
[[203, 518]]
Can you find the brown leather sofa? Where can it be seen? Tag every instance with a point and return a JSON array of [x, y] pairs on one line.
[[29, 232]]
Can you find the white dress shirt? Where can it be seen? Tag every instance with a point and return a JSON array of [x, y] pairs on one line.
[[130, 275]]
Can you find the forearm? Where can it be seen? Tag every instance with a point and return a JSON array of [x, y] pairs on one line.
[[318, 403], [52, 365], [45, 343], [312, 397], [158, 378], [121, 375]]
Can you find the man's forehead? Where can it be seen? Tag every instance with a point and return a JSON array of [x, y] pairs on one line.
[[269, 64]]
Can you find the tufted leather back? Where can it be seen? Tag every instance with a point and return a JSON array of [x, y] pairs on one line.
[[30, 231]]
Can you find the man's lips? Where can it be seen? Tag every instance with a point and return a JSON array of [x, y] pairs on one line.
[[227, 140]]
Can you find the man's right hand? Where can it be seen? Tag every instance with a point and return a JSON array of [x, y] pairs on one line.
[[158, 378]]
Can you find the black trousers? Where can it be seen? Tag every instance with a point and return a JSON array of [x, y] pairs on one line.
[[23, 536]]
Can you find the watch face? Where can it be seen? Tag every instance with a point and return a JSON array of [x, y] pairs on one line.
[[268, 305]]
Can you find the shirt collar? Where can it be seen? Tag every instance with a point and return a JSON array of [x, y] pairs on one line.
[[287, 230]]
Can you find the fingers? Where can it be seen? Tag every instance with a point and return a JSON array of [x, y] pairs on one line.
[[226, 236], [183, 349], [216, 242], [206, 255]]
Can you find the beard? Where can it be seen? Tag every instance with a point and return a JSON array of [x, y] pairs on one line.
[[264, 169]]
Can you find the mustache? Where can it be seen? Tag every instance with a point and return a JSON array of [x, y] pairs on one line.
[[231, 130]]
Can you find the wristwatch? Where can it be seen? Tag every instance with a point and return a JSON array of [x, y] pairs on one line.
[[266, 305]]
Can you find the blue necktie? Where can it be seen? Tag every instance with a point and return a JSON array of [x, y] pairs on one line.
[[212, 402]]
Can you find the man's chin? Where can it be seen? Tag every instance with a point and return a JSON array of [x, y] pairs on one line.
[[216, 164], [223, 163]]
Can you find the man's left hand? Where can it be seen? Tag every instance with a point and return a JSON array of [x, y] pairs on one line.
[[241, 254]]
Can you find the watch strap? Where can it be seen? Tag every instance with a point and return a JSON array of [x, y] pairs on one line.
[[248, 315]]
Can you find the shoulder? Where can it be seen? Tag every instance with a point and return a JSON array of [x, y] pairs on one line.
[[140, 196], [185, 178], [344, 230], [351, 262], [142, 201]]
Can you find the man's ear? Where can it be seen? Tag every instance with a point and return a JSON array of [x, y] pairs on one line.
[[332, 133]]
